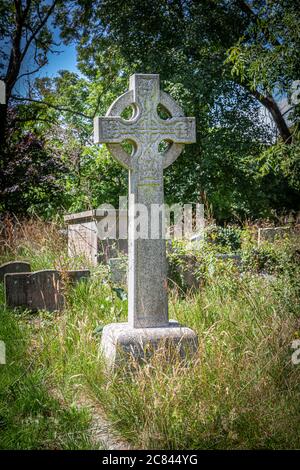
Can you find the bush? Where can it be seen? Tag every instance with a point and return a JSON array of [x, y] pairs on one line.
[[225, 237]]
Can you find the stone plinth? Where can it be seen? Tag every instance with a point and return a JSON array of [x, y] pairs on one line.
[[121, 342], [83, 239]]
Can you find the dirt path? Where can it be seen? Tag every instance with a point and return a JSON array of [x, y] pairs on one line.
[[102, 432]]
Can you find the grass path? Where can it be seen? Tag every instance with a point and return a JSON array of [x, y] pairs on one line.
[[102, 431]]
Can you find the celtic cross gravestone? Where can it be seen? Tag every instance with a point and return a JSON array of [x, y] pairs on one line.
[[147, 280]]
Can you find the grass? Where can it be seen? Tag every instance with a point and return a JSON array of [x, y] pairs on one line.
[[241, 391], [30, 416]]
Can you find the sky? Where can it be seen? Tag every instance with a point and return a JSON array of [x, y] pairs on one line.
[[65, 60]]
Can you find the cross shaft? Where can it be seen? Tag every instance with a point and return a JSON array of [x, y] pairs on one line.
[[147, 289]]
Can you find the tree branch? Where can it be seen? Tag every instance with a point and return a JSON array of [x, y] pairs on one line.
[[38, 29], [271, 105], [50, 105], [245, 7]]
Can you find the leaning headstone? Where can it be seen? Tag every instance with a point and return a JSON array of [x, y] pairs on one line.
[[148, 323], [270, 234], [118, 270], [14, 267], [83, 237], [39, 290]]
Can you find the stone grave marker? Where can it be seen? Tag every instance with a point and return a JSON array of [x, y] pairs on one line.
[[148, 322], [270, 234], [14, 267], [118, 271], [83, 237], [39, 290]]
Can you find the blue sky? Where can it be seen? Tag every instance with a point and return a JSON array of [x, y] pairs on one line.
[[64, 60]]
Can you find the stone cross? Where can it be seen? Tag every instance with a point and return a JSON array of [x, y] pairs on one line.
[[147, 280]]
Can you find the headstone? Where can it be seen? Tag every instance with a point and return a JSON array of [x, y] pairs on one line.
[[148, 322], [83, 237], [270, 234], [118, 270], [75, 276], [39, 290], [185, 269], [14, 267]]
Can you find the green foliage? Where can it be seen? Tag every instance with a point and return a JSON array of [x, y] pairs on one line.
[[226, 166], [33, 176], [228, 237], [271, 258]]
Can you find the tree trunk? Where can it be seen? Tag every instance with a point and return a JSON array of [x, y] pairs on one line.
[[271, 105]]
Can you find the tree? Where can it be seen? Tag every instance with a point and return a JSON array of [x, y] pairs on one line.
[[34, 176], [24, 30], [167, 35], [187, 42]]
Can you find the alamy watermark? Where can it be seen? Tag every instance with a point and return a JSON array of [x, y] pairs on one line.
[[296, 354], [150, 222]]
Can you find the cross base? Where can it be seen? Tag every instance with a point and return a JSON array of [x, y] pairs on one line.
[[122, 343]]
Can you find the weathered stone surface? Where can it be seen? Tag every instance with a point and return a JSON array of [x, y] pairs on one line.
[[120, 341], [14, 267], [39, 290], [147, 257], [147, 278], [83, 237], [270, 234], [118, 270], [75, 276]]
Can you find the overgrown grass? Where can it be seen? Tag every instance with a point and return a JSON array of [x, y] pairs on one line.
[[30, 415], [241, 391]]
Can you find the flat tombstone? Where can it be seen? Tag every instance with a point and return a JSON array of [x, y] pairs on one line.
[[14, 267]]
